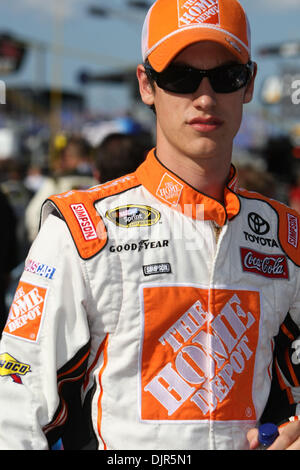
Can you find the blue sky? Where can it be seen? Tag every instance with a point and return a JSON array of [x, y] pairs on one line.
[[98, 45]]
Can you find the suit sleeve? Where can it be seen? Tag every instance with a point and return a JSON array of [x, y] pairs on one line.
[[45, 343], [283, 404]]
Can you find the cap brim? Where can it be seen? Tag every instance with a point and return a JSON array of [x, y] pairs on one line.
[[161, 56]]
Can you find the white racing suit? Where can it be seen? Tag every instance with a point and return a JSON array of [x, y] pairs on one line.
[[150, 316]]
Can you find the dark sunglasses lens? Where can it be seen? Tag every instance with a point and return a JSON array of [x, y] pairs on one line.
[[179, 80], [224, 79], [229, 78]]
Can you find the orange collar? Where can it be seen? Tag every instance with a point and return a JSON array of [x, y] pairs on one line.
[[176, 193]]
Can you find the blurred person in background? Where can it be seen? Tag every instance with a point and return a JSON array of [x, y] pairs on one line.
[[281, 167], [120, 154], [252, 173], [34, 179], [294, 194], [252, 179], [9, 252], [278, 156], [76, 158], [73, 168], [18, 195], [294, 188]]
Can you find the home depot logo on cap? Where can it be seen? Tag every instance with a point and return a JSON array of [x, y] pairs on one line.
[[195, 12], [172, 25]]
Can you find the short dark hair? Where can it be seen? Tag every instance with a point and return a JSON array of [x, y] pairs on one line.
[[82, 146], [120, 154]]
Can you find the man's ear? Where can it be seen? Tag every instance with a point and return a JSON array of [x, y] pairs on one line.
[[146, 89], [250, 87]]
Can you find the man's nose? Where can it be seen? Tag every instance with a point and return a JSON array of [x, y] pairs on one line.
[[205, 96]]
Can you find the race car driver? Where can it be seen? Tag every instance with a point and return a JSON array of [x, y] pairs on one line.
[[151, 307]]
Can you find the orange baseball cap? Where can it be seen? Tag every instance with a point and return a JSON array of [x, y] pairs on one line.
[[172, 25]]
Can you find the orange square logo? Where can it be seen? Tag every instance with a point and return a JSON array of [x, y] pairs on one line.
[[191, 12], [198, 353], [26, 312], [169, 190]]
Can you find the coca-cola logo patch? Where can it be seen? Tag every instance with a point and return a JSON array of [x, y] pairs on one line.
[[268, 265]]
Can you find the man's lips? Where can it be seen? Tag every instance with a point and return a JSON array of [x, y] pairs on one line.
[[205, 124]]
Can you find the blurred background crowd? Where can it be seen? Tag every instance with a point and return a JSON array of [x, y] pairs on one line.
[[56, 136]]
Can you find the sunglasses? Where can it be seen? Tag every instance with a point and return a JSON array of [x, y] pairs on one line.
[[185, 79]]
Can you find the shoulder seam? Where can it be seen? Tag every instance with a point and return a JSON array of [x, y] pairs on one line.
[[126, 182]]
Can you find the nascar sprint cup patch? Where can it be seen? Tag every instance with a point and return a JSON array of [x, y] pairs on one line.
[[133, 216]]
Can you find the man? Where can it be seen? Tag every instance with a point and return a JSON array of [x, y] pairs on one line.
[[147, 312]]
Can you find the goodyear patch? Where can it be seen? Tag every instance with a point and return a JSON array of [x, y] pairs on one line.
[[133, 216], [11, 367]]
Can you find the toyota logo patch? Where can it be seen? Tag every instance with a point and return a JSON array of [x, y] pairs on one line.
[[257, 224]]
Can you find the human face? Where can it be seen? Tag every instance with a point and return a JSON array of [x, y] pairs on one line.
[[203, 124]]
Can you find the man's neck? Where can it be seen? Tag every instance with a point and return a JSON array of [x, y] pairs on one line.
[[208, 176]]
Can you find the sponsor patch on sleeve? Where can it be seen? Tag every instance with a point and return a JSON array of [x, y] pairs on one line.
[[85, 223], [40, 269], [11, 367], [293, 230], [26, 312]]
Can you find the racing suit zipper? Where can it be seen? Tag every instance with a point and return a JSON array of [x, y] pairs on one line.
[[217, 230]]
